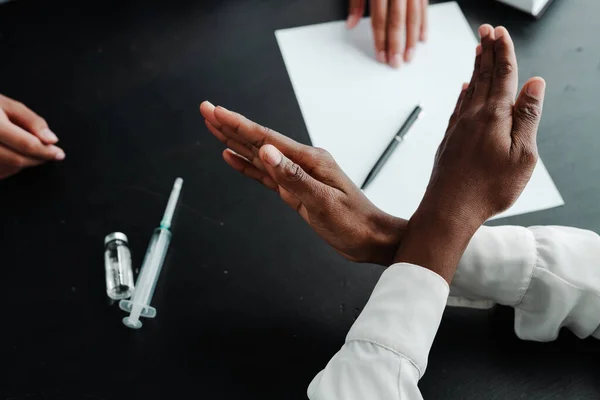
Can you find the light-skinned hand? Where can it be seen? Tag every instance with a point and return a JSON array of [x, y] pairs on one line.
[[397, 27], [25, 139]]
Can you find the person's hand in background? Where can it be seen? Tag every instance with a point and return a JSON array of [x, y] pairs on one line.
[[309, 181], [484, 162], [397, 27], [25, 139]]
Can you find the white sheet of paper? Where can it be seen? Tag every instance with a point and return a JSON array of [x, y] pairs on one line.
[[353, 106], [533, 7]]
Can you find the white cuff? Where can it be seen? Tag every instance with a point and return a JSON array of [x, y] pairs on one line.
[[403, 313], [497, 265]]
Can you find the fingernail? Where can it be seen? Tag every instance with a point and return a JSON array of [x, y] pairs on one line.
[[381, 57], [60, 155], [536, 88], [352, 20], [272, 156], [209, 103], [48, 135], [499, 32], [483, 30], [409, 54], [395, 61], [222, 108]]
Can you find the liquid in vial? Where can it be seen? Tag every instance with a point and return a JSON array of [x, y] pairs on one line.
[[117, 263]]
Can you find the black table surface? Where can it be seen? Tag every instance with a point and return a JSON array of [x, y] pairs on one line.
[[251, 303]]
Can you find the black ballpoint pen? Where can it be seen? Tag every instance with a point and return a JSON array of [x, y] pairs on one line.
[[398, 137]]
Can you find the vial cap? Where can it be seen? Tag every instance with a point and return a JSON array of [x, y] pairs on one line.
[[115, 236]]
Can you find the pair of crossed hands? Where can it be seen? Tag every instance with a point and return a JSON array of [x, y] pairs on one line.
[[482, 165]]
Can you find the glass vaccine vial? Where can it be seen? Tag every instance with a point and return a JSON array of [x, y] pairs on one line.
[[117, 264]]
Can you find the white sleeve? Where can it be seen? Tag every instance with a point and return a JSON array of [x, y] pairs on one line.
[[386, 350], [550, 275]]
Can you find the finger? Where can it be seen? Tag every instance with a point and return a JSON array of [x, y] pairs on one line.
[[456, 114], [473, 83], [528, 111], [28, 145], [355, 11], [316, 162], [424, 22], [242, 165], [379, 24], [241, 129], [291, 176], [413, 28], [207, 109], [395, 28], [506, 77], [12, 162], [486, 70], [238, 148], [23, 117], [247, 169]]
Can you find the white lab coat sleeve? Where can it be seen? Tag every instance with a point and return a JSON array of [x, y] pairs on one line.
[[549, 274], [386, 350]]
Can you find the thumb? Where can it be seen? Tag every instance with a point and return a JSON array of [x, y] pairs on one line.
[[290, 175], [528, 111]]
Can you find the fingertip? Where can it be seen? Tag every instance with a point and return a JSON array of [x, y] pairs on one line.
[[206, 107], [465, 86], [395, 60], [48, 136], [221, 113], [353, 20], [478, 50], [501, 32], [485, 30], [270, 155], [229, 156], [59, 154], [536, 87], [232, 159], [539, 78], [409, 54]]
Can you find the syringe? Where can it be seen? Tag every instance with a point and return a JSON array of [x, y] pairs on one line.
[[139, 304]]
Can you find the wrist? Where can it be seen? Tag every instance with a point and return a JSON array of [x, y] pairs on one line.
[[435, 239], [384, 238]]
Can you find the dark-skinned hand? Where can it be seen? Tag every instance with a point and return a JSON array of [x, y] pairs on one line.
[[484, 162], [309, 181]]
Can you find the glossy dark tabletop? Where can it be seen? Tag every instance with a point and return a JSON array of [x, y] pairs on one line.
[[251, 303]]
